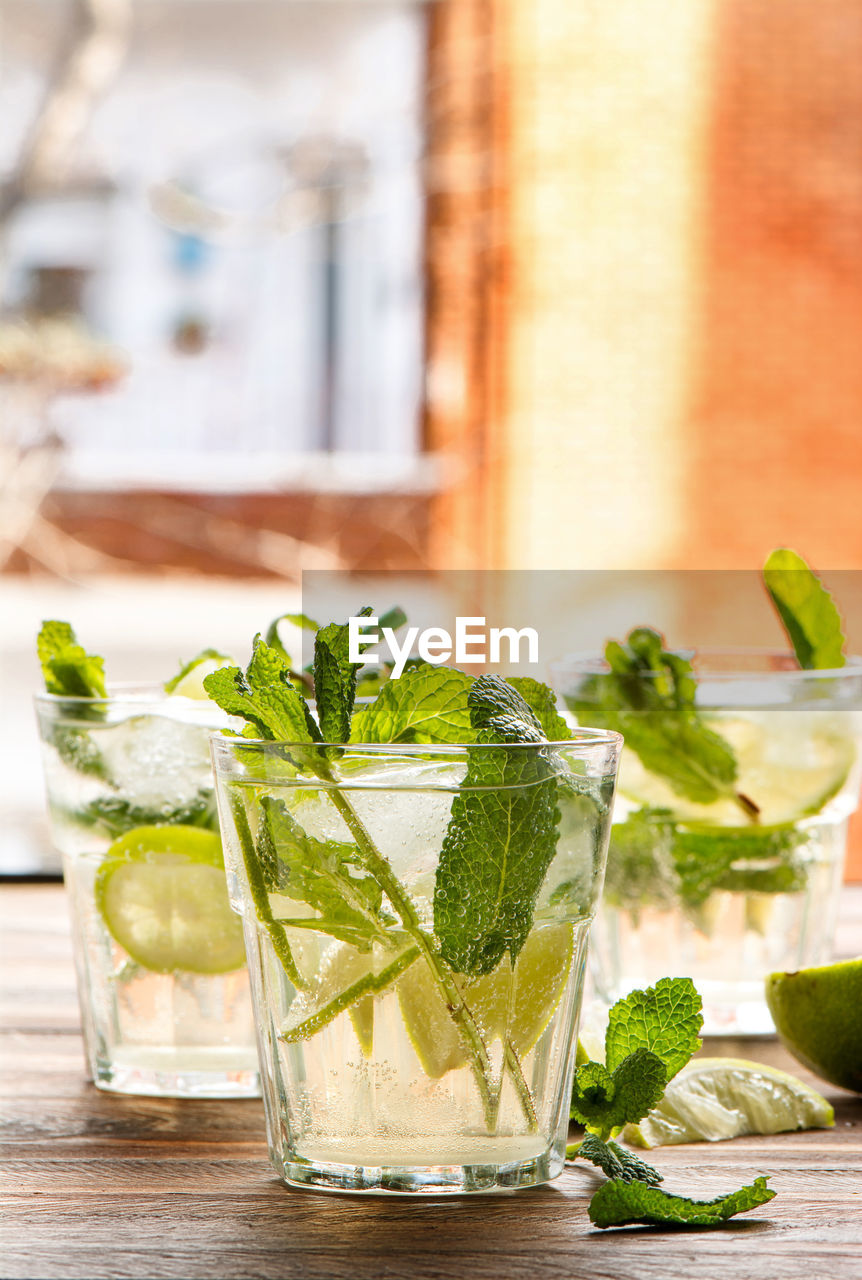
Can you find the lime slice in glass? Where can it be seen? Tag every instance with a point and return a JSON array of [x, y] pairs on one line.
[[189, 681], [519, 1002], [791, 765], [716, 1098], [163, 895]]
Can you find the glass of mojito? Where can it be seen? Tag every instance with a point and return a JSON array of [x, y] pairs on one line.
[[162, 978], [739, 774], [416, 915]]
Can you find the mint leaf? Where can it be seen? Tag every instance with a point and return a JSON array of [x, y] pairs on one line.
[[68, 670], [619, 1203], [615, 1161], [807, 611], [649, 696], [592, 1095], [543, 703], [710, 858], [324, 874], [115, 815], [265, 697], [665, 1019], [427, 704], [502, 713], [76, 748], [607, 1100], [203, 656], [501, 837], [335, 680]]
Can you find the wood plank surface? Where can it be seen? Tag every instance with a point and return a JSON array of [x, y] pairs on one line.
[[104, 1186]]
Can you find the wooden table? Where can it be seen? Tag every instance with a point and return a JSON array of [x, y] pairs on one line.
[[104, 1186]]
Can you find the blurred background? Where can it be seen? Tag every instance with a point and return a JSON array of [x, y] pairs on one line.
[[396, 285]]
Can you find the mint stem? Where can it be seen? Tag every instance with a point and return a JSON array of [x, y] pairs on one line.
[[368, 985], [401, 902], [260, 897], [458, 1010]]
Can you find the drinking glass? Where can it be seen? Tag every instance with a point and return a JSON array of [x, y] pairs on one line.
[[162, 979], [714, 892], [390, 1062]]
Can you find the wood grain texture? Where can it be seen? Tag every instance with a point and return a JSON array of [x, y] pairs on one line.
[[125, 1188]]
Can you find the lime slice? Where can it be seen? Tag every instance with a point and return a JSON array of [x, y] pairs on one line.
[[818, 1015], [189, 680], [521, 1001], [716, 1098], [163, 895], [791, 764]]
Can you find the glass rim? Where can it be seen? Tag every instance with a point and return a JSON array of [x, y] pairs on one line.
[[581, 737], [117, 691], [593, 663]]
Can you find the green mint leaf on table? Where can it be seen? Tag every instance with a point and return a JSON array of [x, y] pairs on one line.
[[648, 695], [542, 701], [427, 704], [264, 696], [67, 668], [620, 1204], [501, 837], [335, 680], [614, 1160], [606, 1100], [665, 1019], [324, 874], [807, 611]]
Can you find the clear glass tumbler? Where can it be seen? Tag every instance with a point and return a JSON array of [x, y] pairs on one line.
[[401, 1049], [162, 978], [710, 890]]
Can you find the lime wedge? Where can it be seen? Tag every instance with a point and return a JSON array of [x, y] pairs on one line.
[[163, 895], [520, 1001], [818, 1015], [791, 765], [189, 680], [342, 967], [716, 1098]]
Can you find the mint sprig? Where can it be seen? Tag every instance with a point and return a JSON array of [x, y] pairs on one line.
[[69, 671], [327, 875], [648, 695], [621, 1204], [807, 611], [264, 697], [67, 668], [275, 709], [651, 1035]]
